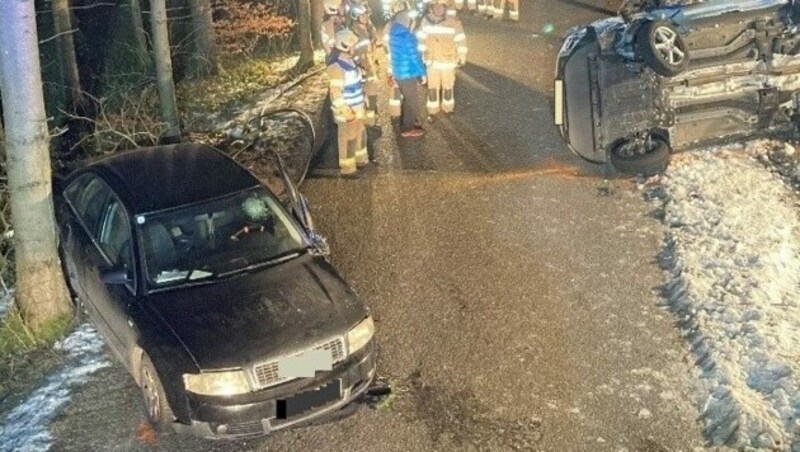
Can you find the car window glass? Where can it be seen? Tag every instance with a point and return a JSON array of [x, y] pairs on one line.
[[89, 200], [115, 234], [115, 238], [217, 237], [73, 190]]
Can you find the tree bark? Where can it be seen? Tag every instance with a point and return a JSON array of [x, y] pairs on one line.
[[62, 22], [306, 59], [206, 60], [41, 294], [317, 13], [140, 39], [163, 59]]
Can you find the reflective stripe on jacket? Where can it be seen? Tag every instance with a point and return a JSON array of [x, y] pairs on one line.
[[442, 39], [346, 86]]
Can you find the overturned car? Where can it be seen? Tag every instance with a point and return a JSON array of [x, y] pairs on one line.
[[660, 78]]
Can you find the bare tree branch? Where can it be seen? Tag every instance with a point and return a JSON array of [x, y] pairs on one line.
[[58, 35]]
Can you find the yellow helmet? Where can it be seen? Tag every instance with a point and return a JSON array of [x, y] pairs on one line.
[[345, 40], [332, 6]]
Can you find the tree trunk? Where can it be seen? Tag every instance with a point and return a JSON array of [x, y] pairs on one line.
[[41, 293], [163, 58], [62, 22], [304, 36], [206, 61], [317, 13], [140, 39]]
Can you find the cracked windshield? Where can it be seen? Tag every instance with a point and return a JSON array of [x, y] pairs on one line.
[[216, 238]]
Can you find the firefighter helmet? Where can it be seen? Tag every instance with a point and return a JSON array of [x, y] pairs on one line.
[[357, 10], [398, 6], [332, 6], [345, 40]]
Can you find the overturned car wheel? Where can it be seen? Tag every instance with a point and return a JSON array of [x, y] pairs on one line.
[[662, 48], [648, 157]]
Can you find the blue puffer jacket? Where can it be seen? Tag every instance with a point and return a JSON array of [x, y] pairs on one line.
[[406, 60]]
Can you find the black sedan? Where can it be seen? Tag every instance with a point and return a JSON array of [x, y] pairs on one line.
[[673, 75], [220, 301]]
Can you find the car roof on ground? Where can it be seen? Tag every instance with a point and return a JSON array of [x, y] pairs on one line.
[[165, 177]]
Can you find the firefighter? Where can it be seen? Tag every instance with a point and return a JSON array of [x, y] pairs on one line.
[[347, 102], [364, 54], [496, 9], [443, 45], [483, 7], [332, 23], [513, 10], [396, 98]]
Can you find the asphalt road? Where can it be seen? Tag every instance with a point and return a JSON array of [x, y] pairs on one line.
[[515, 292]]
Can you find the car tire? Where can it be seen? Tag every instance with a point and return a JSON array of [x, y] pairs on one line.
[[646, 158], [157, 408], [662, 48]]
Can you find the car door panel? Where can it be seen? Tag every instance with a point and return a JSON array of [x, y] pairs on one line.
[[93, 201]]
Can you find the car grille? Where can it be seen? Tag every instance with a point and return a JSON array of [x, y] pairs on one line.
[[266, 374]]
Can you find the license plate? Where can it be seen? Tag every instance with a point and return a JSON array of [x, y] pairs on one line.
[[559, 102], [307, 401], [306, 364]]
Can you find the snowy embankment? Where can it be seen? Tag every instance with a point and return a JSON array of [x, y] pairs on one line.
[[733, 259], [26, 427]]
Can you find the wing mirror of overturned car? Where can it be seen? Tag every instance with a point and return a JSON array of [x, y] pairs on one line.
[[115, 275]]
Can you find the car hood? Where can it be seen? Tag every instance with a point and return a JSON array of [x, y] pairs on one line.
[[246, 319]]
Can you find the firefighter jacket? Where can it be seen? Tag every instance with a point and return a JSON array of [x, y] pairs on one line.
[[365, 49], [405, 60], [442, 41], [346, 89]]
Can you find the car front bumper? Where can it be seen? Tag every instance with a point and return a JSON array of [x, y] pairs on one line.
[[263, 412]]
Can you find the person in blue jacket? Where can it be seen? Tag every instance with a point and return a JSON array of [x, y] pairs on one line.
[[407, 71]]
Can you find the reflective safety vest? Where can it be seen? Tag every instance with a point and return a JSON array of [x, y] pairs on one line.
[[346, 88], [442, 41]]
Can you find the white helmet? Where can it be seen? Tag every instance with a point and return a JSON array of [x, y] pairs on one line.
[[345, 40], [332, 6]]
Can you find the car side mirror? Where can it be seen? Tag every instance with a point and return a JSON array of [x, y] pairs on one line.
[[115, 275]]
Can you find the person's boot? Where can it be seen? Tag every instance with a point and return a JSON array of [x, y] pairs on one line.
[[347, 167]]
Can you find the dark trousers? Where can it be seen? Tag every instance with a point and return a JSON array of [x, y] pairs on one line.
[[413, 112]]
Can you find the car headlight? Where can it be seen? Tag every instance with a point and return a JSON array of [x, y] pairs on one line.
[[222, 383], [360, 335]]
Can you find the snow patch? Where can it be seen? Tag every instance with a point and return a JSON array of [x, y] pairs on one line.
[[733, 260], [25, 427]]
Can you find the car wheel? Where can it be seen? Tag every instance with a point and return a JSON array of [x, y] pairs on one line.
[[663, 48], [157, 408], [648, 156]]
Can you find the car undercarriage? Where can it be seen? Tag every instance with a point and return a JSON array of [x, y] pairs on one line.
[[686, 77]]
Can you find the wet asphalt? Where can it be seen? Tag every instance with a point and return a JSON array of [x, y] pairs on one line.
[[516, 294]]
